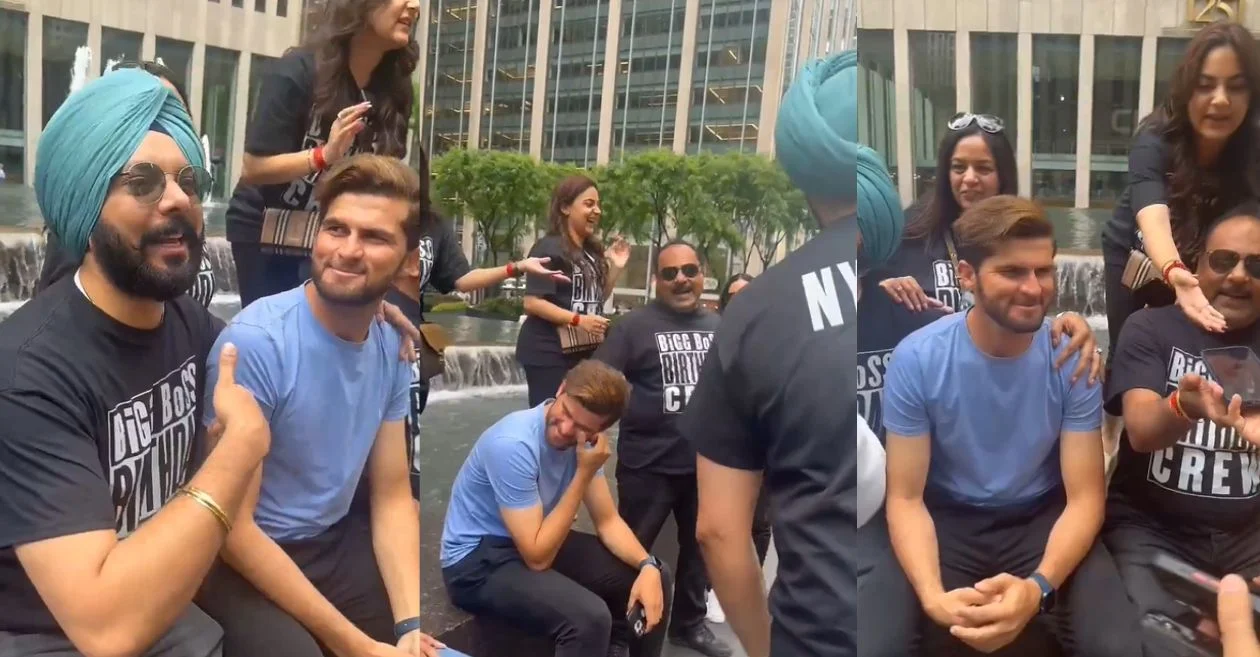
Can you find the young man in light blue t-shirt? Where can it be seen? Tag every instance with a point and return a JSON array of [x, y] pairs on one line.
[[335, 392], [995, 482], [508, 549]]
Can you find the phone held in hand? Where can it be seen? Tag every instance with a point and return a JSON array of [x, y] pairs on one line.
[[1237, 370], [1177, 640], [637, 619], [1192, 587]]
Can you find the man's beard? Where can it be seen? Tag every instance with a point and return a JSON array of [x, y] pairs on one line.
[[129, 269], [995, 312], [370, 294]]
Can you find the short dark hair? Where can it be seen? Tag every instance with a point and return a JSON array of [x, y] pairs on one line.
[[725, 297], [656, 256], [599, 388], [376, 175], [988, 225], [1249, 208]]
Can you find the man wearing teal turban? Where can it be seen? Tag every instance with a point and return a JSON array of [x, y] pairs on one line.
[[107, 525], [776, 402]]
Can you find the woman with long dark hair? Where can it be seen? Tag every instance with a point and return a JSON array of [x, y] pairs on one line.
[[975, 161], [346, 90], [1189, 162], [58, 264], [563, 323]]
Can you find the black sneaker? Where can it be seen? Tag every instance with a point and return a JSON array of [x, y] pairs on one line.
[[702, 640]]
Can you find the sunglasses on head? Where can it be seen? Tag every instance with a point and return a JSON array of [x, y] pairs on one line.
[[670, 273], [146, 182], [987, 122], [1223, 261]]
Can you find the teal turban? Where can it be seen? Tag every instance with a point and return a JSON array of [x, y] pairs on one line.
[[91, 139], [816, 142]]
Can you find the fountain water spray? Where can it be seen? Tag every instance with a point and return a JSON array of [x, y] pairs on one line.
[[79, 70], [110, 64]]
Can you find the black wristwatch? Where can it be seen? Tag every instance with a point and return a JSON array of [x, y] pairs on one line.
[[650, 561], [404, 627], [1047, 592]]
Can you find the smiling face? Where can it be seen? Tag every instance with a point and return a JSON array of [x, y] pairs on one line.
[[583, 214], [1223, 270], [1221, 96], [1015, 286], [394, 21], [973, 174], [150, 250], [360, 247], [679, 278]]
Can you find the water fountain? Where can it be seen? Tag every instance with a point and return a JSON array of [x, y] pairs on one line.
[[79, 69]]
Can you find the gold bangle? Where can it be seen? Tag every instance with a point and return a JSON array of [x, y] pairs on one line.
[[203, 498]]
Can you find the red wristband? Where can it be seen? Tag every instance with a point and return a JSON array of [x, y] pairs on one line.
[[1174, 402], [1175, 264], [511, 270], [318, 156], [577, 319]]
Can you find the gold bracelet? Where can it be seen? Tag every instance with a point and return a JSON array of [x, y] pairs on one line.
[[203, 498]]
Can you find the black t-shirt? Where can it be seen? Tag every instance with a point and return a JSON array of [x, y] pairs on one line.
[[774, 395], [538, 343], [1208, 479], [419, 389], [283, 122], [442, 260], [102, 424], [1148, 172], [58, 265], [882, 325], [931, 267], [660, 351]]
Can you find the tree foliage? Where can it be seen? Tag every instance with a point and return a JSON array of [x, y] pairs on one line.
[[740, 201]]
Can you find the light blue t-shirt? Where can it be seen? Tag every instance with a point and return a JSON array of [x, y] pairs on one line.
[[994, 422], [512, 466], [324, 398]]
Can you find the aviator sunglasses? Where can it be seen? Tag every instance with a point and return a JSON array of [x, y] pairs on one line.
[[1223, 261], [670, 273], [146, 182], [987, 122]]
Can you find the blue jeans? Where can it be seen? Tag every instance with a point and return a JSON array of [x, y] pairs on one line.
[[451, 652]]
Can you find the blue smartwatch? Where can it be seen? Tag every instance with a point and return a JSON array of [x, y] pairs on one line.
[[1047, 593], [404, 627]]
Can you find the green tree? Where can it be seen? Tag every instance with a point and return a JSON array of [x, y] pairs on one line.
[[502, 192], [759, 199], [655, 187]]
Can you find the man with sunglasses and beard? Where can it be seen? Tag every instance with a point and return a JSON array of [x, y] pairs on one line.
[[1185, 479], [113, 506], [660, 348]]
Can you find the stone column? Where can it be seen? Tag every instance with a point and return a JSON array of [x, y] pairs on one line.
[[1084, 120], [34, 119], [608, 83]]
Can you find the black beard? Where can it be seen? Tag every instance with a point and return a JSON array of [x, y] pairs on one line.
[[370, 295], [128, 268]]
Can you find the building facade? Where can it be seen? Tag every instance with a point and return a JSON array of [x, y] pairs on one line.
[[217, 49], [1071, 79]]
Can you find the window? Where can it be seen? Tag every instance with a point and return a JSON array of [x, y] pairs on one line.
[[995, 80], [177, 56], [1117, 77], [66, 60], [219, 112], [1168, 54], [877, 95], [933, 99], [1056, 76], [117, 45]]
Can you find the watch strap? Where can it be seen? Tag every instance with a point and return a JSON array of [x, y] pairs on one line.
[[1047, 591], [407, 626], [650, 561]]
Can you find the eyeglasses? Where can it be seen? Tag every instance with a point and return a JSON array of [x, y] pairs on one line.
[[987, 122], [670, 273], [146, 182], [1223, 261]]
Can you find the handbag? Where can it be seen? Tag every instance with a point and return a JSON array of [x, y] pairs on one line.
[[1139, 272], [433, 344], [576, 340]]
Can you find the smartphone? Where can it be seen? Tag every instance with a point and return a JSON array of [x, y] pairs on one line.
[[1177, 639], [638, 619], [1237, 370], [1191, 586]]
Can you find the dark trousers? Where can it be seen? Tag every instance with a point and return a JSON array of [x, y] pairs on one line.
[[975, 544], [260, 274], [194, 634], [340, 563], [645, 500], [1122, 302], [580, 602], [1134, 536], [888, 609], [544, 380]]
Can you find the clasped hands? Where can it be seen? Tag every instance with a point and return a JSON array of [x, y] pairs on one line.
[[989, 615]]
